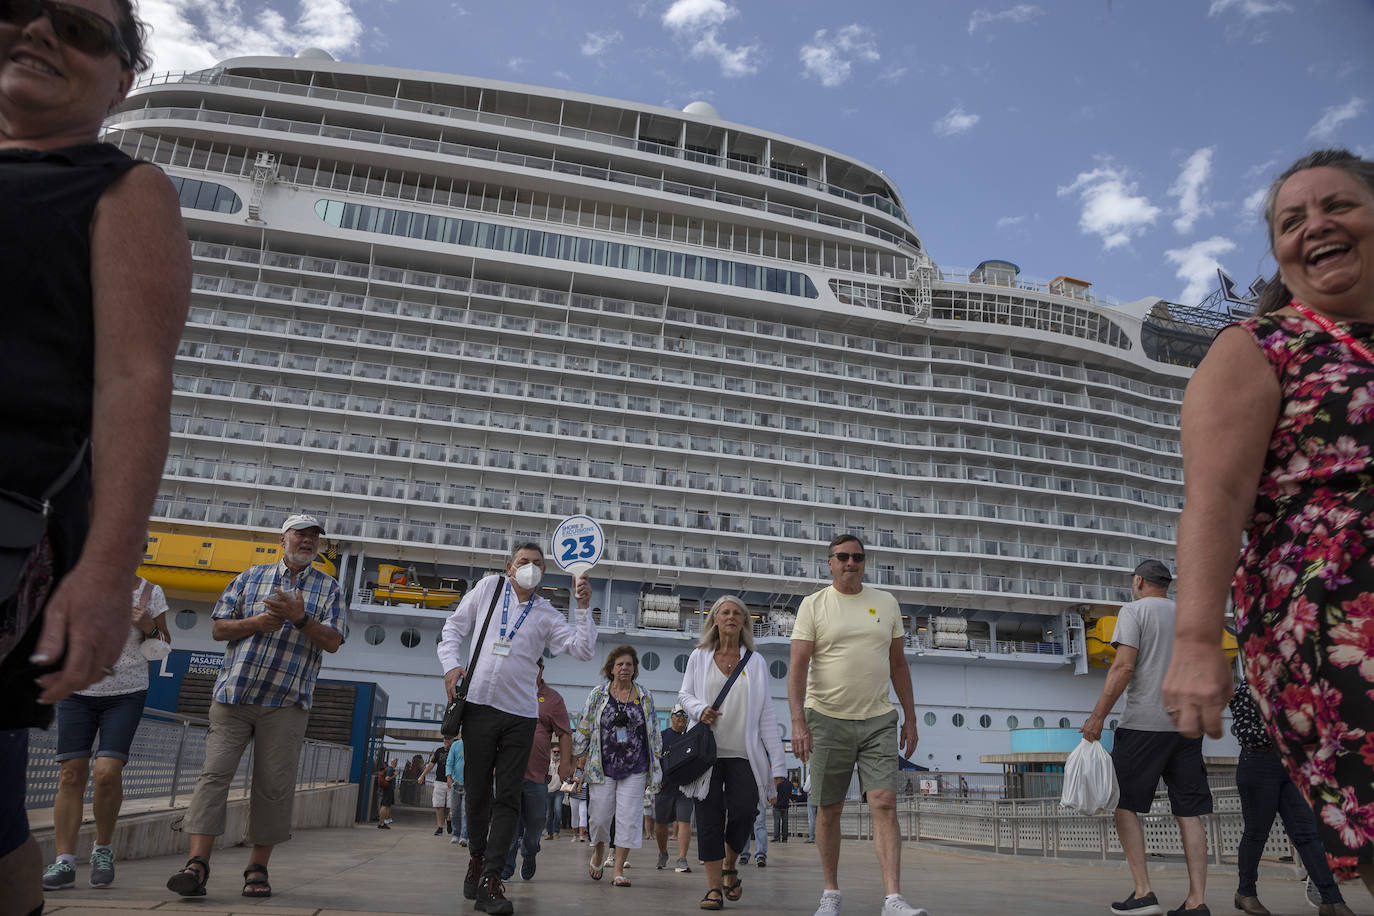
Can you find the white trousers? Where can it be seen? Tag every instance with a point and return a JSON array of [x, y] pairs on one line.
[[579, 813], [623, 800]]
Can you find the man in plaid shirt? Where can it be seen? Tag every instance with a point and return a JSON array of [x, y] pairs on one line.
[[278, 619]]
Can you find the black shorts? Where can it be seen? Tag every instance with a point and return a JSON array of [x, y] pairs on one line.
[[1141, 758], [671, 805], [388, 796]]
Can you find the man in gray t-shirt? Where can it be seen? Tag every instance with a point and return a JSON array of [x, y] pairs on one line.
[[1147, 746]]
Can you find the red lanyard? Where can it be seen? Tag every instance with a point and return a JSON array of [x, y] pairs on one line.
[[1335, 330]]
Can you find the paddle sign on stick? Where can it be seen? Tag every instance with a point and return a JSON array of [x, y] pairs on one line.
[[578, 543]]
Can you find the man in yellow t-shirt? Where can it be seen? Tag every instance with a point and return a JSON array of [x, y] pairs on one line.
[[846, 650]]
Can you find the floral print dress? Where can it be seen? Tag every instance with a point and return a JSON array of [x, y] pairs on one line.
[[1304, 591]]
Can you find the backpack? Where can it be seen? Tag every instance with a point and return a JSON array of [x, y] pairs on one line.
[[382, 780]]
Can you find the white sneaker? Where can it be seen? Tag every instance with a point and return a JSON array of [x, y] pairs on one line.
[[830, 904], [897, 906], [453, 839]]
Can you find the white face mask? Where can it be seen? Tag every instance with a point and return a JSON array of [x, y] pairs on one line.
[[528, 576]]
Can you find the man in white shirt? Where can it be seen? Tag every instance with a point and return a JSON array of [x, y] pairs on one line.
[[502, 705]]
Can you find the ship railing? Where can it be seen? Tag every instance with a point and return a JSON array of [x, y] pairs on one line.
[[217, 77], [165, 760], [1042, 287]]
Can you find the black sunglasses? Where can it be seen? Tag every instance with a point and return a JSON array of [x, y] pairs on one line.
[[88, 32], [846, 557]]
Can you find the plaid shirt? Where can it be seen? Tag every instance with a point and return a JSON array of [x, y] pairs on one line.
[[278, 668]]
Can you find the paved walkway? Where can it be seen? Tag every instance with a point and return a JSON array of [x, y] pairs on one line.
[[408, 870]]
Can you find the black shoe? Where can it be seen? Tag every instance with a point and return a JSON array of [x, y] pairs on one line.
[[1199, 910], [383, 826], [1142, 906], [527, 867], [491, 896], [448, 826], [473, 877], [438, 831]]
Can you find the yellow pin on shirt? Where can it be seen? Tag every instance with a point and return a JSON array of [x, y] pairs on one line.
[[873, 612]]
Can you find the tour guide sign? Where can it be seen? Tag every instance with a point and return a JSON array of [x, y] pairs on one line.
[[578, 543]]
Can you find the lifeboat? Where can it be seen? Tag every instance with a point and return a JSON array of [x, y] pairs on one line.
[[1101, 652], [194, 563], [399, 586]]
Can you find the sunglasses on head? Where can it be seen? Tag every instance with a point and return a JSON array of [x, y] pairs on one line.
[[846, 557], [79, 28]]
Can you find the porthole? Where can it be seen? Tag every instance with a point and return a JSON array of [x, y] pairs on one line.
[[680, 663], [374, 635], [958, 720], [650, 661], [1064, 722], [1112, 724], [985, 721], [778, 669], [410, 637], [1012, 721], [930, 718], [1039, 722], [186, 620]]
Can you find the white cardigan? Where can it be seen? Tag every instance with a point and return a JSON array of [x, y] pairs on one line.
[[765, 742]]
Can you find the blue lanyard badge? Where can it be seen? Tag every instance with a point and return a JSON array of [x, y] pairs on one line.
[[505, 606]]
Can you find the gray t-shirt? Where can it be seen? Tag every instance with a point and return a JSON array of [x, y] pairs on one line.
[[1147, 625]]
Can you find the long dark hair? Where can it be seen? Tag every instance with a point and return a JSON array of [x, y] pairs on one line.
[[1276, 294]]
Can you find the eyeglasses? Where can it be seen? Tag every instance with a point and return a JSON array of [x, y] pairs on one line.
[[846, 557], [88, 32]]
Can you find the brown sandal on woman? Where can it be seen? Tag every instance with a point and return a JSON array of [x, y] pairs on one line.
[[736, 890], [713, 900]]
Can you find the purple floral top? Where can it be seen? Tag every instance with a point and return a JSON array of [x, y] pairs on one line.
[[623, 758]]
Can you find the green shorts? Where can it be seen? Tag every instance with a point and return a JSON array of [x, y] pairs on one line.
[[839, 744]]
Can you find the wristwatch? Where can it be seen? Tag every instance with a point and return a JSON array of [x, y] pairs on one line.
[[302, 623]]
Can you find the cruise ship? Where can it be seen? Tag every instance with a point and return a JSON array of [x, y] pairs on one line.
[[443, 313]]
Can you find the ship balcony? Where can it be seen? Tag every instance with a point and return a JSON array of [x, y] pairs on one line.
[[998, 653]]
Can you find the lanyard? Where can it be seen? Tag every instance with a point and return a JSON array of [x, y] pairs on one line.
[[505, 606], [1335, 330]]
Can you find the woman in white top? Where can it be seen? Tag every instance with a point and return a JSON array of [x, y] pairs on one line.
[[749, 759]]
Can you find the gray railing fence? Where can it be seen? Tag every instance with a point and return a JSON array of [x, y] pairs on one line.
[[166, 758]]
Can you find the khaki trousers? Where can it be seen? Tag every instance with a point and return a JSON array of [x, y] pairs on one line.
[[277, 733]]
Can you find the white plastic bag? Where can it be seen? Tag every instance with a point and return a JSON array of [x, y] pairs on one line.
[[1090, 780]]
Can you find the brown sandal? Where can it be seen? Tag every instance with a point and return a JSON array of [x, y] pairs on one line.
[[736, 890], [713, 900]]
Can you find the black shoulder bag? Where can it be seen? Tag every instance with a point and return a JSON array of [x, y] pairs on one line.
[[24, 521], [695, 752], [453, 713]]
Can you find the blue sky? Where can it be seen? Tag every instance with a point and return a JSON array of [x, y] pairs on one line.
[[1124, 142]]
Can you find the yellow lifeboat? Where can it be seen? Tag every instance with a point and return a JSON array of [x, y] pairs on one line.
[[195, 563], [1101, 652], [397, 586]]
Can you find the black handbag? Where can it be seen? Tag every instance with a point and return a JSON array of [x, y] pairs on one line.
[[23, 522], [453, 712], [695, 752]]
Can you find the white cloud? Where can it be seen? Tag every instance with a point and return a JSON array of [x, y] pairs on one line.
[[1189, 189], [1248, 9], [892, 75], [697, 23], [1334, 116], [195, 34], [1007, 222], [1021, 12], [957, 121], [597, 42], [830, 58], [1112, 209], [1252, 209], [1197, 267], [517, 63]]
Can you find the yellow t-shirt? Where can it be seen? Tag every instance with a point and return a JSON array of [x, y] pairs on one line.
[[853, 634]]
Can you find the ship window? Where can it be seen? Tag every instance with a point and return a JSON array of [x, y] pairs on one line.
[[374, 635], [985, 721], [410, 637], [930, 718], [1039, 722], [205, 195], [958, 720], [186, 620], [1064, 722], [1012, 722], [650, 661], [778, 669], [680, 663], [1112, 724]]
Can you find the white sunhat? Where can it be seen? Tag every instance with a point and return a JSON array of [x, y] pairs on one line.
[[297, 522]]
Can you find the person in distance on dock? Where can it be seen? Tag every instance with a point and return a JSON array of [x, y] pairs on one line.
[[278, 620], [502, 705], [97, 282], [846, 650], [1147, 744], [439, 791], [1278, 445], [750, 766]]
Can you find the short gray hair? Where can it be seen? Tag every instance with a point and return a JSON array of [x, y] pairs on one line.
[[710, 633]]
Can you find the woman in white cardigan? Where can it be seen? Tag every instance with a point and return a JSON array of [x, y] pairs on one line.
[[749, 759]]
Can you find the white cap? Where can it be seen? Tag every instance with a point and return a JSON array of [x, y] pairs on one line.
[[678, 709], [297, 522]]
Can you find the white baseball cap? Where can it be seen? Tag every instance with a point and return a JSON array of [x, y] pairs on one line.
[[298, 522]]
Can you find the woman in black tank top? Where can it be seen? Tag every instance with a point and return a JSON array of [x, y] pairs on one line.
[[96, 274]]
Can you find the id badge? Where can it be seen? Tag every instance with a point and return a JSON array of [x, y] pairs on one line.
[[622, 735], [500, 647]]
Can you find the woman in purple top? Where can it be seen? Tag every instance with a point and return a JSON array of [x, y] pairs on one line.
[[617, 746]]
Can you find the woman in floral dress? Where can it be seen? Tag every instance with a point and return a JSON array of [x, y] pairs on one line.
[[1278, 442]]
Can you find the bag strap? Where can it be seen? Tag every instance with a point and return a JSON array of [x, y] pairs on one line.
[[66, 476], [477, 650], [730, 681]]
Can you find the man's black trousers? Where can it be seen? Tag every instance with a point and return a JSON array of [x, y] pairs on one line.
[[496, 748]]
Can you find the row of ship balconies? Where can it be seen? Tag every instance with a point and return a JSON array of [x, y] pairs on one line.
[[671, 328]]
